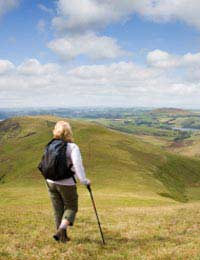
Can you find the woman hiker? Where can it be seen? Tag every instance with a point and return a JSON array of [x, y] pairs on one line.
[[63, 193]]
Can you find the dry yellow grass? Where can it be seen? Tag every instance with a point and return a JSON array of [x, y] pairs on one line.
[[159, 232]]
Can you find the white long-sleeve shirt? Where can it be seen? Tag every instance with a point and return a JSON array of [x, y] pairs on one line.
[[73, 157]]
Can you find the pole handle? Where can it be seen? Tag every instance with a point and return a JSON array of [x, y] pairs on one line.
[[89, 187]]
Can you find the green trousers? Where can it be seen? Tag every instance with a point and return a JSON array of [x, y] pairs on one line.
[[64, 202]]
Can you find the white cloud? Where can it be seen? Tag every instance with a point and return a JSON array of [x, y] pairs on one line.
[[83, 15], [169, 10], [5, 66], [118, 84], [95, 47], [33, 67], [191, 59], [6, 6], [162, 59]]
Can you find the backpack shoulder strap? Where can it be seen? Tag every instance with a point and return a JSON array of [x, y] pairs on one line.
[[50, 142]]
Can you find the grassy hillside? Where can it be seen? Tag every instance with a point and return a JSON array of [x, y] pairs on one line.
[[141, 233], [113, 160], [127, 176]]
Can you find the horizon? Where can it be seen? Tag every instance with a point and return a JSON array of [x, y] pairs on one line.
[[100, 107]]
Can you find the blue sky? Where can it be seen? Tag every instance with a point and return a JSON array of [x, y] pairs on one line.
[[99, 53], [19, 37]]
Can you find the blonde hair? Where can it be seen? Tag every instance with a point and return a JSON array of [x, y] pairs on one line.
[[62, 130]]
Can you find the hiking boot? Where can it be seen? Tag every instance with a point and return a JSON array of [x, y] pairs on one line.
[[61, 235]]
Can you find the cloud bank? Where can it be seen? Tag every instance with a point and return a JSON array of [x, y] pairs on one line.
[[117, 84]]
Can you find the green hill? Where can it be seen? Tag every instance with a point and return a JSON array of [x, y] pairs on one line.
[[170, 111], [112, 160]]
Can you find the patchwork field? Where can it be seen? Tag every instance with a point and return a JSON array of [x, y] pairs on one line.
[[175, 130]]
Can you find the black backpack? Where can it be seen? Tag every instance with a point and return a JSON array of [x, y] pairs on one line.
[[53, 164]]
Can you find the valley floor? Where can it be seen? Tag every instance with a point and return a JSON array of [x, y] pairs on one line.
[[131, 232]]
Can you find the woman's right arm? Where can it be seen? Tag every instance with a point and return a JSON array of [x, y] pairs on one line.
[[78, 165]]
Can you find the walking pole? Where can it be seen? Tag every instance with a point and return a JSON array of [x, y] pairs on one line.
[[95, 210]]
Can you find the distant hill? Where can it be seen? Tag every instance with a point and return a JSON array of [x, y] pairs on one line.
[[170, 111], [111, 159]]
